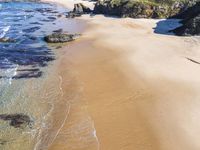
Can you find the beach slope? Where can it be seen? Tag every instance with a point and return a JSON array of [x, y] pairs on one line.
[[139, 88]]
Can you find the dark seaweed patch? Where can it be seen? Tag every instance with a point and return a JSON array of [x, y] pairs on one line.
[[17, 120], [36, 23], [28, 51], [32, 29]]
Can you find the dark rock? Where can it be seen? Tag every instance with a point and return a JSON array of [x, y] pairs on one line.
[[191, 21], [58, 31], [52, 18], [58, 47], [3, 142], [60, 38], [189, 12], [190, 27], [36, 23], [138, 9], [72, 15], [7, 40], [81, 9], [17, 120], [59, 16], [44, 10], [33, 29]]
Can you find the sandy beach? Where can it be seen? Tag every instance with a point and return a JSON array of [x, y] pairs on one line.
[[138, 90]]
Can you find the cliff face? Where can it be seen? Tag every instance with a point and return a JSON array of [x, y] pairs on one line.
[[141, 8], [191, 21]]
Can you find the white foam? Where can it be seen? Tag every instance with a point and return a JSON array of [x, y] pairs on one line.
[[4, 31]]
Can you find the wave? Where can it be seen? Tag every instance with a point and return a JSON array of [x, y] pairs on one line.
[[4, 31]]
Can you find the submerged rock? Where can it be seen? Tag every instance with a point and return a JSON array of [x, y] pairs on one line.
[[60, 37], [32, 29], [3, 142], [7, 40], [73, 15], [58, 31], [17, 120]]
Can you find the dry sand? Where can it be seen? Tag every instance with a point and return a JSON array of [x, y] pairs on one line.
[[138, 88]]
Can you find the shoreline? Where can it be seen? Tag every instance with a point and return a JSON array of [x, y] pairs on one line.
[[127, 75]]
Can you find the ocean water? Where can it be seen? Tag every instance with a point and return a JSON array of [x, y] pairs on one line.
[[32, 107]]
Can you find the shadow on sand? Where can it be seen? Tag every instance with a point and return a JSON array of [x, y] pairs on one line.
[[166, 26]]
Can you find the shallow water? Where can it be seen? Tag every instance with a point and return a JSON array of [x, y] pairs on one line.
[[30, 84]]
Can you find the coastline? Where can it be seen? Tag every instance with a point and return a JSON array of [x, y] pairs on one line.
[[138, 88]]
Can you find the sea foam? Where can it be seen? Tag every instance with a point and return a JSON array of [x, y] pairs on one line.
[[4, 30]]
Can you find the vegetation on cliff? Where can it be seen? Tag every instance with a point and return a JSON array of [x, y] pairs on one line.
[[142, 8]]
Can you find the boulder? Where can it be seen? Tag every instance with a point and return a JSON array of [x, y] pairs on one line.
[[60, 37], [81, 9]]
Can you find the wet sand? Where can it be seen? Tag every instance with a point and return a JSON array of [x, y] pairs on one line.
[[138, 89]]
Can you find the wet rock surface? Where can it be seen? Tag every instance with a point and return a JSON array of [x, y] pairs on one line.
[[17, 120], [32, 29], [79, 9], [58, 31], [60, 37], [7, 40]]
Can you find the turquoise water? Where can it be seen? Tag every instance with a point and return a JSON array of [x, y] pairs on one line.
[[26, 97], [33, 106]]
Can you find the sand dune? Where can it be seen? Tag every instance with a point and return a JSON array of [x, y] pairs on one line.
[[141, 89]]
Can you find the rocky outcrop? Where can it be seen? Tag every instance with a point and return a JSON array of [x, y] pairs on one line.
[[191, 21], [79, 9], [17, 120], [138, 9], [60, 37]]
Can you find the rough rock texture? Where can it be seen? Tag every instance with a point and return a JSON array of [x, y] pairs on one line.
[[191, 21], [60, 38], [189, 12], [79, 9], [139, 8], [17, 120]]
